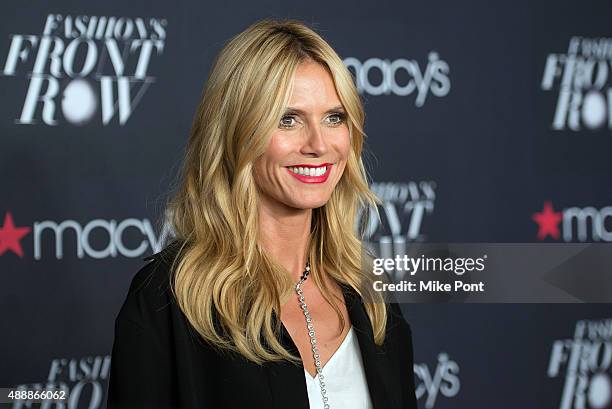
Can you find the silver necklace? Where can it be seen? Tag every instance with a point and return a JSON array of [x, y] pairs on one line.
[[311, 334]]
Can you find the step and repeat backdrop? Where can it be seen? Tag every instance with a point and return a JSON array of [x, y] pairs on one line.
[[486, 122]]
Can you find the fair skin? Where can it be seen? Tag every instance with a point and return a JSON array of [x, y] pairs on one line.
[[312, 132]]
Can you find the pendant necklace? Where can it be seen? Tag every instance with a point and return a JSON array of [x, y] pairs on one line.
[[311, 334]]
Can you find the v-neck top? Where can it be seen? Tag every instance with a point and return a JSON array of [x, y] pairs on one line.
[[344, 377]]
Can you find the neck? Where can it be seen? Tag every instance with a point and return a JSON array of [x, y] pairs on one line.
[[284, 233]]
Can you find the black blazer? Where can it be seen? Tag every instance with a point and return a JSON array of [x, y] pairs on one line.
[[159, 361]]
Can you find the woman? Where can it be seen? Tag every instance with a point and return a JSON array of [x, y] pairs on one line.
[[260, 302]]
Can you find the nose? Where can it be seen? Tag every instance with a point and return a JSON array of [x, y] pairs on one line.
[[315, 143]]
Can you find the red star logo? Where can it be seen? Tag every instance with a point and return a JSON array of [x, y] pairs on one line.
[[548, 221], [10, 236]]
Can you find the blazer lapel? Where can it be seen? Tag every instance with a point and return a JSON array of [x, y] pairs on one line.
[[287, 381], [382, 382]]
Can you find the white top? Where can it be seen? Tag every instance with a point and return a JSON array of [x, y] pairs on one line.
[[345, 379]]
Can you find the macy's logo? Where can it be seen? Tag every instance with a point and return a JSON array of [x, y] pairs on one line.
[[111, 231], [573, 223]]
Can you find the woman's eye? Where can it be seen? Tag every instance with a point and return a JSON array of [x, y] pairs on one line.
[[285, 121], [336, 119]]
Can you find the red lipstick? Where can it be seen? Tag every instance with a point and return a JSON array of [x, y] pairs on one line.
[[311, 179]]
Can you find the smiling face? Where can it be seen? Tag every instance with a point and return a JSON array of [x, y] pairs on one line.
[[308, 151]]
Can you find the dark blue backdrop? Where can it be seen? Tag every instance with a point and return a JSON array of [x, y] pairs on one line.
[[482, 117]]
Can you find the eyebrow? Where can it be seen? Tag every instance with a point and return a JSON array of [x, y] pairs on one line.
[[291, 110]]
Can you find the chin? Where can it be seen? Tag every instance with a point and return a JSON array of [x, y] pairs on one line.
[[308, 204]]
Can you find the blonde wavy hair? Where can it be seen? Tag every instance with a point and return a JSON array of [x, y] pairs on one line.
[[229, 289]]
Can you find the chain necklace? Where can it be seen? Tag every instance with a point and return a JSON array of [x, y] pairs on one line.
[[311, 334]]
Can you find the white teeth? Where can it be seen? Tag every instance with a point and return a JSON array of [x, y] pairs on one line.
[[309, 171]]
